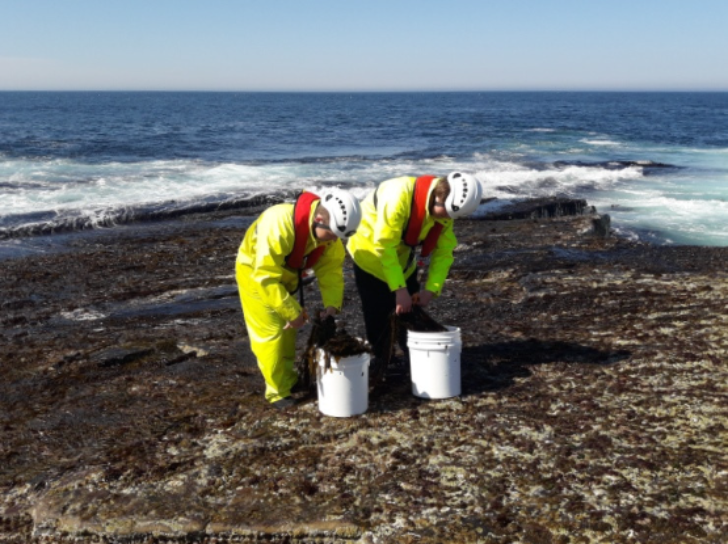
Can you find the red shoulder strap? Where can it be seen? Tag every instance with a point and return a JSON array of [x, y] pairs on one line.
[[314, 256], [301, 215], [431, 239], [418, 213]]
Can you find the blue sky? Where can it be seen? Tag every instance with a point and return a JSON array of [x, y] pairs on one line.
[[358, 45]]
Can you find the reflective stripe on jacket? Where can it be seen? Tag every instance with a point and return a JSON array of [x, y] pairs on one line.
[[378, 247], [265, 246]]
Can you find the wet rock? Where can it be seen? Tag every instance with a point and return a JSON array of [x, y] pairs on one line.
[[646, 165], [120, 356], [540, 208], [594, 378], [601, 225]]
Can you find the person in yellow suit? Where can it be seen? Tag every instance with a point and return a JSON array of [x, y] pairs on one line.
[[277, 247], [400, 215]]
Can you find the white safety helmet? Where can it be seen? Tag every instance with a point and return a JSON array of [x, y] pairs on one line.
[[465, 194], [344, 212]]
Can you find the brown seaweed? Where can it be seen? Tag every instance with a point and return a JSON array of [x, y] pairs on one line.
[[321, 332], [341, 345], [417, 320], [332, 341]]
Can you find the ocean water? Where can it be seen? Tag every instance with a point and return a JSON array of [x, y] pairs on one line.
[[656, 162]]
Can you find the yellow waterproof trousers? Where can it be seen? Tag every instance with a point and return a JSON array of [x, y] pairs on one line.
[[273, 346]]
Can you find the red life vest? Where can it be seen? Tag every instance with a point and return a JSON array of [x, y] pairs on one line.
[[418, 212], [301, 223]]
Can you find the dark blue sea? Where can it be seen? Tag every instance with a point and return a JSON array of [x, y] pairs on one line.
[[656, 162]]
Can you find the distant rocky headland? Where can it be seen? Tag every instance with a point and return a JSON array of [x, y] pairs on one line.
[[594, 404]]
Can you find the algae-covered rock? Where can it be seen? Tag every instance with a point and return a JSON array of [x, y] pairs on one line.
[[593, 408]]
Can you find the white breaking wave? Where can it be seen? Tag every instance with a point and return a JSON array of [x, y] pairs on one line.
[[65, 192], [686, 210], [506, 180], [64, 186], [690, 221], [601, 142], [96, 195]]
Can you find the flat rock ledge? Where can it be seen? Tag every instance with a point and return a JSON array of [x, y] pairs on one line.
[[594, 406]]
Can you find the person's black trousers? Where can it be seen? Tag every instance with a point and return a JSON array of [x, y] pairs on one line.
[[378, 303]]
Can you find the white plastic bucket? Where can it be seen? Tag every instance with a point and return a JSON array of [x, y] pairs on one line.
[[435, 363], [343, 390]]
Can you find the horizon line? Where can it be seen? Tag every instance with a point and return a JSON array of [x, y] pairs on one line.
[[368, 91]]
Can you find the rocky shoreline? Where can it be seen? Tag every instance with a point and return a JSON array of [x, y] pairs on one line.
[[594, 405]]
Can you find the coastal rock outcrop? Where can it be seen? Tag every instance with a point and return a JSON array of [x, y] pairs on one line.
[[593, 405], [539, 208]]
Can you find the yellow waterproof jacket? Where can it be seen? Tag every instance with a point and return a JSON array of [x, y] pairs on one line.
[[262, 258], [378, 247]]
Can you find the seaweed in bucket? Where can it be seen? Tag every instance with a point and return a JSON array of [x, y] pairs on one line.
[[321, 331], [416, 320], [419, 321], [342, 344], [334, 342]]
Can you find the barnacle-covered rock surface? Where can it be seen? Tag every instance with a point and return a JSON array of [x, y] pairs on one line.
[[594, 405]]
